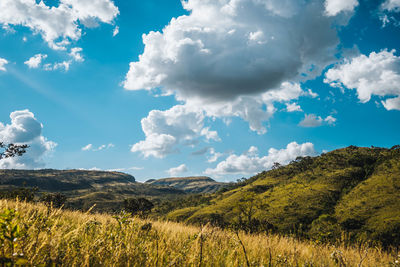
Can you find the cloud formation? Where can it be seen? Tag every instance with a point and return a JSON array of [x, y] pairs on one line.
[[312, 120], [377, 74], [165, 130], [90, 147], [391, 5], [177, 170], [250, 162], [334, 7], [58, 25], [25, 129], [35, 61], [231, 48], [3, 62]]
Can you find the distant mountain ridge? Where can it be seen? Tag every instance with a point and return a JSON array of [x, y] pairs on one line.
[[84, 188], [193, 184], [63, 180]]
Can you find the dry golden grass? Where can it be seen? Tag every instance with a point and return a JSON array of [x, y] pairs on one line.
[[72, 238]]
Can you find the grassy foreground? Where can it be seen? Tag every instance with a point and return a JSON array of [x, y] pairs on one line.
[[32, 235]]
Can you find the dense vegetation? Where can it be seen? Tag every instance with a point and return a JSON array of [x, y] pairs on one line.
[[352, 193], [36, 235]]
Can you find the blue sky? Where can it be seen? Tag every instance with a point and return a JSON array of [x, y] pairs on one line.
[[218, 88]]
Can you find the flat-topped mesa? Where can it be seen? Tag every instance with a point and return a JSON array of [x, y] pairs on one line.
[[63, 180], [193, 184]]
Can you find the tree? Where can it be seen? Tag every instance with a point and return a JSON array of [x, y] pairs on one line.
[[276, 166], [55, 200], [12, 150], [138, 206]]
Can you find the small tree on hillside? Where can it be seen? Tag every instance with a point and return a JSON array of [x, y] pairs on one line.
[[55, 200], [138, 206], [11, 150]]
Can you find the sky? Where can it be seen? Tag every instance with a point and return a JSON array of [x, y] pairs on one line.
[[222, 88]]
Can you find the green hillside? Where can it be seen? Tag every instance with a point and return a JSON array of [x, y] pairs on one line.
[[83, 189], [353, 190]]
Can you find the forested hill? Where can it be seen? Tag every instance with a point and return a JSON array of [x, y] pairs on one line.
[[354, 190]]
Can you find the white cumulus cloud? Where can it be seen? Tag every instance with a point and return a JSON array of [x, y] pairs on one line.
[[227, 49], [250, 162], [76, 54], [376, 74], [165, 130], [312, 120], [292, 107], [334, 7], [3, 62], [254, 109], [60, 24], [25, 129], [35, 61], [177, 170]]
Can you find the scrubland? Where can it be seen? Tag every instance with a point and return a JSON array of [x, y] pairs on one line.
[[33, 234]]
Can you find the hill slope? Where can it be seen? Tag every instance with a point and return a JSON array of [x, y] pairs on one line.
[[352, 189], [199, 184], [85, 188], [65, 238]]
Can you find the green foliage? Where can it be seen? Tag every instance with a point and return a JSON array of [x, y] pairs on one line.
[[138, 206], [21, 193], [164, 206], [352, 191], [12, 150], [55, 200]]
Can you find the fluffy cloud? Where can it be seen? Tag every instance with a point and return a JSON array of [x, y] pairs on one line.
[[64, 65], [334, 7], [387, 9], [177, 170], [214, 156], [253, 109], [76, 54], [250, 162], [227, 49], [25, 129], [3, 62], [58, 25], [165, 130], [312, 120], [392, 103], [184, 124], [35, 61], [391, 5], [292, 107], [376, 74]]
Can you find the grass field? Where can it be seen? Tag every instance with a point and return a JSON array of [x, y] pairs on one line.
[[33, 235]]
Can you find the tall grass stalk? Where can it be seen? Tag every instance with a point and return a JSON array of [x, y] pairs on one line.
[[74, 238]]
